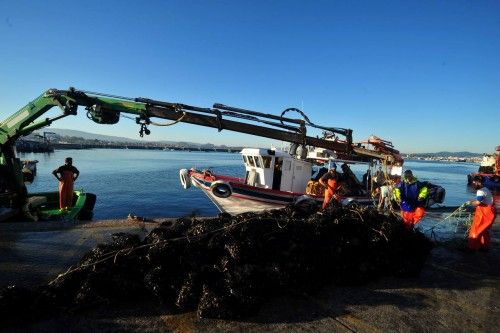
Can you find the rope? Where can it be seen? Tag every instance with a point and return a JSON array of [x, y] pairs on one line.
[[128, 117], [170, 123], [460, 209], [159, 124], [460, 218]]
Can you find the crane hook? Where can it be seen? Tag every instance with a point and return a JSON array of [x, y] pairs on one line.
[[144, 130], [144, 122]]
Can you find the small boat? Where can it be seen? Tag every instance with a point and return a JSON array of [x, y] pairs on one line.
[[275, 178], [46, 206], [489, 171]]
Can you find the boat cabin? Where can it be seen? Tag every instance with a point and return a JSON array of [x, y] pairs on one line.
[[281, 171], [275, 169]]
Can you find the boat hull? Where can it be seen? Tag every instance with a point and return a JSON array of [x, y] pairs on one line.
[[232, 196], [83, 206], [236, 205], [45, 207]]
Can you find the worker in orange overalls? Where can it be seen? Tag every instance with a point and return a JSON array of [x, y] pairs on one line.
[[479, 235], [66, 174], [330, 181]]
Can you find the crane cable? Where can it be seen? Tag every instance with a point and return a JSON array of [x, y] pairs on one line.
[[170, 123], [160, 124]]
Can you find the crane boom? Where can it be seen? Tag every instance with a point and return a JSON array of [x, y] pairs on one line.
[[106, 109]]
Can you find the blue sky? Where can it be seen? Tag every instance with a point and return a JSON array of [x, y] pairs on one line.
[[424, 74]]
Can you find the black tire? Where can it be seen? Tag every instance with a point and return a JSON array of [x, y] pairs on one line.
[[221, 190], [441, 192]]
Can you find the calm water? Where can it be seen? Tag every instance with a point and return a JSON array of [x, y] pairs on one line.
[[146, 183]]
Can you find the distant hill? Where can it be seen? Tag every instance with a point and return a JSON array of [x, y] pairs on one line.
[[89, 136], [117, 139]]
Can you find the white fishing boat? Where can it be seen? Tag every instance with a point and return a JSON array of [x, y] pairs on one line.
[[275, 178]]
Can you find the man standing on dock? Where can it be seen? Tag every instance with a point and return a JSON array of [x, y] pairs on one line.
[[479, 235], [66, 174], [410, 194]]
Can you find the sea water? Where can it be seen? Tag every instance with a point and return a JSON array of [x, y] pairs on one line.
[[146, 182], [141, 182]]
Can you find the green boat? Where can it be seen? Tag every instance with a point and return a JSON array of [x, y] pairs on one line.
[[45, 206]]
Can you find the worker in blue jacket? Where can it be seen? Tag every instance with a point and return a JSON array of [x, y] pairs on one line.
[[410, 194]]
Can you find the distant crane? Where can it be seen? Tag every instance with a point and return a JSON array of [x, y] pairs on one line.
[[46, 136]]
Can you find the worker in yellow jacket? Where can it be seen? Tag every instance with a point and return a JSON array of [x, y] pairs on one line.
[[411, 195]]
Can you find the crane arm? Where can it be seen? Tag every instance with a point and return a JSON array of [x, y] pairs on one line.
[[106, 109]]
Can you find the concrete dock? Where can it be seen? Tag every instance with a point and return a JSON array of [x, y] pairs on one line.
[[456, 292]]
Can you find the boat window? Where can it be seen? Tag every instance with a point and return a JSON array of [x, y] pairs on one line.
[[245, 159], [266, 161], [257, 162], [250, 161]]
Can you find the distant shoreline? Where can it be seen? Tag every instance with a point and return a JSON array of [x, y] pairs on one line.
[[452, 159], [35, 148]]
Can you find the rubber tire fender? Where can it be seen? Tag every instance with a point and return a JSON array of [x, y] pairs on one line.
[[221, 189], [184, 178]]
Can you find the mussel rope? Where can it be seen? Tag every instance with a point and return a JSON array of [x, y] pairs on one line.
[[127, 251], [114, 254], [360, 210]]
